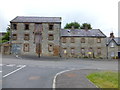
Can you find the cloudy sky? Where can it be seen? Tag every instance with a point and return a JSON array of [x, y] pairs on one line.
[[101, 14]]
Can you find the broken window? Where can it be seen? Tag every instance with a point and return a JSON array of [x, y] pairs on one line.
[[26, 26], [82, 40], [26, 47], [14, 36], [51, 27], [50, 47], [14, 27], [50, 37], [26, 37]]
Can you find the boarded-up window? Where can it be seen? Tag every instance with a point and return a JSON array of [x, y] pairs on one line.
[[26, 47], [98, 40], [99, 51], [14, 36], [26, 26], [50, 37], [14, 26], [82, 40], [51, 27], [64, 40], [50, 47], [26, 37], [72, 40]]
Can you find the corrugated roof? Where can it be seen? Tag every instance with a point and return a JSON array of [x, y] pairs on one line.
[[36, 19], [82, 33]]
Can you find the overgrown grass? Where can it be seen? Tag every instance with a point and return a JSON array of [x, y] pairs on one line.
[[104, 79]]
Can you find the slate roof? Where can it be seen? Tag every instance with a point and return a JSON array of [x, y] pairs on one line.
[[26, 19], [116, 40], [82, 33]]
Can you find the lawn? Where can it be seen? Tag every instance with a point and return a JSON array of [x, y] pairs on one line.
[[104, 79]]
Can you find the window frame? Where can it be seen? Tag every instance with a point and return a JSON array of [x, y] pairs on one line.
[[82, 40], [14, 36], [50, 35], [49, 27], [72, 40], [98, 40], [26, 36], [26, 26], [28, 47], [14, 26]]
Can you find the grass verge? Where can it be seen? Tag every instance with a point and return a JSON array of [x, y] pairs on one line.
[[104, 79]]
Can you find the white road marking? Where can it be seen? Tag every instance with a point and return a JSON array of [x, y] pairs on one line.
[[10, 65], [54, 80], [0, 71], [19, 65], [14, 71]]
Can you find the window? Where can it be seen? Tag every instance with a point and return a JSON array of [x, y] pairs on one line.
[[50, 37], [50, 47], [99, 51], [72, 40], [64, 50], [72, 51], [112, 44], [83, 51], [14, 36], [26, 26], [26, 47], [63, 40], [26, 37], [14, 26], [98, 40], [82, 40], [51, 27]]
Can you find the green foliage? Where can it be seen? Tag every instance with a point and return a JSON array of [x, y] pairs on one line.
[[104, 79], [86, 25], [76, 25], [6, 37]]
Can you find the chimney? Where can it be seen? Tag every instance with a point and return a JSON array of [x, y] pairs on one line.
[[112, 35]]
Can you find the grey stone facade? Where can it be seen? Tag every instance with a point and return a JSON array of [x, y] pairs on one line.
[[33, 44], [43, 36]]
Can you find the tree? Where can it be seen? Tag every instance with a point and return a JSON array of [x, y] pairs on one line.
[[6, 37], [76, 25], [86, 25]]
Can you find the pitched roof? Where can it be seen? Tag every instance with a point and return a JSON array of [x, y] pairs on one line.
[[116, 40], [82, 33], [36, 19]]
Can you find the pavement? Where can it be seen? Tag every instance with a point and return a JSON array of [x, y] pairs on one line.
[[76, 79]]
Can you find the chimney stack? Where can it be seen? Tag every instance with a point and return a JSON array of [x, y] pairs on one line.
[[86, 27], [112, 35]]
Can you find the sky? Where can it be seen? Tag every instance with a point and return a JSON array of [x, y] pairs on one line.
[[101, 14]]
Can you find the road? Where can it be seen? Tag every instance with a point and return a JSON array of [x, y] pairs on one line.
[[34, 73]]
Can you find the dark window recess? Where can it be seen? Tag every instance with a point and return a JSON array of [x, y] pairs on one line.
[[50, 47], [26, 26], [50, 37], [14, 37], [14, 26], [26, 47], [50, 27], [26, 37]]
